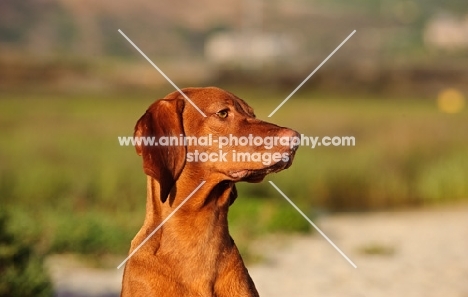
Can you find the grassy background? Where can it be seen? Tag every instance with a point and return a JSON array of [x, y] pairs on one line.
[[72, 188]]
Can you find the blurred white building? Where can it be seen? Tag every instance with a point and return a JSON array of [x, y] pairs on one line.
[[445, 31], [252, 49]]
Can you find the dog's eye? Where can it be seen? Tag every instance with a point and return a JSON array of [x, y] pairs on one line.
[[222, 113]]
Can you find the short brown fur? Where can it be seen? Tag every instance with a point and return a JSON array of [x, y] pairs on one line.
[[192, 254]]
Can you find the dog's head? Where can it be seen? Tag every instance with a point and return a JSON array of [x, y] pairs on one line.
[[230, 143]]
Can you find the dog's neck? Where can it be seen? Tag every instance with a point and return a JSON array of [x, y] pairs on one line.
[[199, 228], [210, 196], [195, 241]]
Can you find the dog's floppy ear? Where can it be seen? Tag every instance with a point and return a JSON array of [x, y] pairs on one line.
[[162, 162]]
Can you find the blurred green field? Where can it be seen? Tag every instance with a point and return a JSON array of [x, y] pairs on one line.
[[72, 188]]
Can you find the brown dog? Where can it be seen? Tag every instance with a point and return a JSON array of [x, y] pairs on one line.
[[192, 254]]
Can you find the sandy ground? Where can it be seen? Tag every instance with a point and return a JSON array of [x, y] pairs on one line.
[[411, 253]]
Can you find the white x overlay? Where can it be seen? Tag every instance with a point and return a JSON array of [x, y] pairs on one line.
[[313, 225], [160, 225], [201, 184], [162, 73], [312, 73]]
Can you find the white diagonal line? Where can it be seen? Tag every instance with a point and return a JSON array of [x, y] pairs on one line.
[[313, 72], [160, 225], [313, 225], [162, 73]]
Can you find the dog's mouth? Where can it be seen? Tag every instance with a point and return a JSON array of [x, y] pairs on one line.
[[257, 175]]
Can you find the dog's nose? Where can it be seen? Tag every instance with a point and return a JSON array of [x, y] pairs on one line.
[[285, 132], [294, 138]]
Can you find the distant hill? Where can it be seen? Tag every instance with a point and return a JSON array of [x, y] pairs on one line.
[[50, 40], [84, 27], [89, 28]]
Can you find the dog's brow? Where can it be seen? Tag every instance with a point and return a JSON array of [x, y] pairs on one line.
[[241, 104]]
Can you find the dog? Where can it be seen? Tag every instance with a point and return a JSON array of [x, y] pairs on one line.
[[192, 254]]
